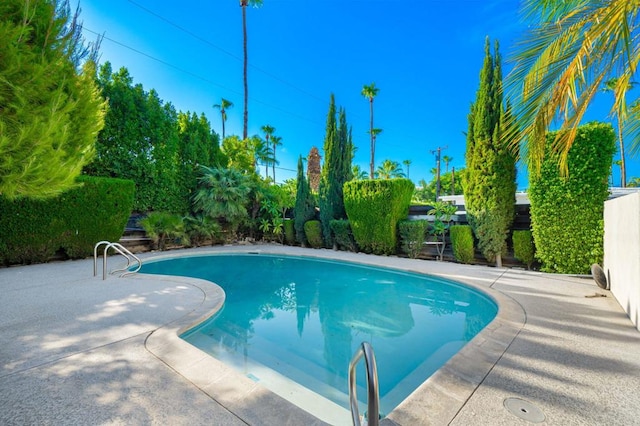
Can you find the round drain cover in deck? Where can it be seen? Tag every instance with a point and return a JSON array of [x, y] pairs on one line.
[[524, 409]]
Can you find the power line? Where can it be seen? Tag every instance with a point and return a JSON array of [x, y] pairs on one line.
[[199, 77], [203, 40]]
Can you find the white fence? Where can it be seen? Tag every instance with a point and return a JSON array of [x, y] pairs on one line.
[[622, 252]]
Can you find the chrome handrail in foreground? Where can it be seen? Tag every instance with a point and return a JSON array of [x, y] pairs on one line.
[[120, 249], [373, 413]]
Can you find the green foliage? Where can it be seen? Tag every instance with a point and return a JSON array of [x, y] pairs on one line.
[[462, 243], [566, 213], [162, 226], [412, 234], [313, 233], [289, 232], [304, 208], [343, 236], [523, 248], [374, 208], [389, 170], [336, 170], [201, 228], [489, 180], [146, 140], [50, 108], [223, 195], [426, 191], [442, 212], [33, 230]]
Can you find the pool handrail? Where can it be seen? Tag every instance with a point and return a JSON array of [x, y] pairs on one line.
[[120, 249], [373, 400]]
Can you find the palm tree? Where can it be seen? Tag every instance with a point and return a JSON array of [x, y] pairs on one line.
[[408, 164], [610, 86], [261, 151], [572, 49], [446, 160], [374, 135], [223, 106], [276, 142], [389, 170], [370, 92], [358, 173], [268, 132], [243, 5]]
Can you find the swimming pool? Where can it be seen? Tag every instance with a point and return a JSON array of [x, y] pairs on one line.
[[303, 319]]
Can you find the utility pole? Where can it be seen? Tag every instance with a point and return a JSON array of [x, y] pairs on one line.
[[437, 152]]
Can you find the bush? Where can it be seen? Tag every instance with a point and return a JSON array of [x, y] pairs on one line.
[[523, 248], [162, 226], [567, 212], [374, 208], [313, 233], [202, 228], [412, 236], [34, 230], [289, 232], [462, 243], [343, 237]]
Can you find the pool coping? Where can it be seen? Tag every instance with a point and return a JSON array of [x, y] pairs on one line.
[[439, 399]]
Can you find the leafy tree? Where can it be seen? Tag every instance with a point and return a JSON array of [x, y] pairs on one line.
[[239, 154], [389, 170], [489, 181], [243, 6], [370, 92], [304, 208], [313, 169], [50, 107], [571, 49], [336, 171], [223, 195], [223, 106]]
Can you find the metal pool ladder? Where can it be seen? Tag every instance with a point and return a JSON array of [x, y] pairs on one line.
[[120, 249], [373, 413]]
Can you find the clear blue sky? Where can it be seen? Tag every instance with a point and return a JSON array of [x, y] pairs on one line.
[[424, 56]]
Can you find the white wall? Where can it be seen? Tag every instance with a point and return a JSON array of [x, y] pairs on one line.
[[622, 252]]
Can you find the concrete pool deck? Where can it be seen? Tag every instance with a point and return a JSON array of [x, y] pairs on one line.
[[75, 349]]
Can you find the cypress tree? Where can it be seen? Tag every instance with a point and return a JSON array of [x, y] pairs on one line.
[[304, 208], [336, 170], [313, 168], [489, 178], [50, 111]]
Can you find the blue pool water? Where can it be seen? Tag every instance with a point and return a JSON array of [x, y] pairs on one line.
[[304, 318]]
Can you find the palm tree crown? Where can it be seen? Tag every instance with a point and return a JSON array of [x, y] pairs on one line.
[[223, 106], [389, 170], [572, 49]]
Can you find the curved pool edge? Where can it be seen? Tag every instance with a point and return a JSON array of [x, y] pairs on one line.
[[436, 401]]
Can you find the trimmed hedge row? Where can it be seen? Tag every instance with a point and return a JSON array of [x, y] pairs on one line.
[[567, 212], [412, 234], [462, 243], [374, 208], [34, 230]]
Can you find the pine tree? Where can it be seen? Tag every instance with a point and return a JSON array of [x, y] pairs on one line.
[[50, 112], [489, 179], [304, 208], [336, 170]]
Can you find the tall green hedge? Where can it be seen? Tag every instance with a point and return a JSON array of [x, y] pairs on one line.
[[462, 243], [567, 212], [374, 208], [34, 230]]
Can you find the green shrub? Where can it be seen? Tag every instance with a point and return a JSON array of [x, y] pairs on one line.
[[202, 228], [313, 233], [412, 236], [523, 248], [567, 212], [374, 208], [34, 230], [162, 226], [343, 236], [289, 232], [462, 243]]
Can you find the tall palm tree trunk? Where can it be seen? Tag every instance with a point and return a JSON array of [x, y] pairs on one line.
[[623, 169], [373, 139], [274, 163], [246, 86], [222, 126]]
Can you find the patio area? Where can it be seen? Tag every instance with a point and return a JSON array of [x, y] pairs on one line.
[[75, 349]]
